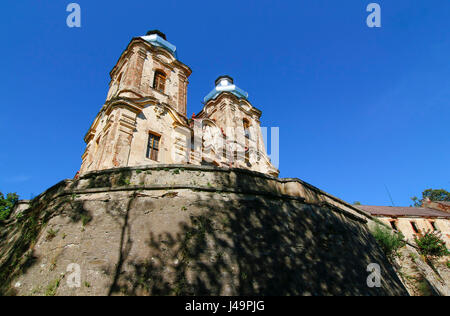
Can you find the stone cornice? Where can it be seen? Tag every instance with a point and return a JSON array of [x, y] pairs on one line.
[[141, 42], [228, 95], [137, 105]]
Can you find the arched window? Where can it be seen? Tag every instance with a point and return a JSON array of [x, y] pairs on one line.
[[159, 82], [246, 128]]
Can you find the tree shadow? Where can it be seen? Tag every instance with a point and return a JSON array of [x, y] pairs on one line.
[[256, 245], [20, 235]]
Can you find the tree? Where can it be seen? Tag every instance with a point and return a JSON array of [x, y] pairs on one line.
[[439, 195], [431, 245], [6, 204], [390, 241], [356, 203]]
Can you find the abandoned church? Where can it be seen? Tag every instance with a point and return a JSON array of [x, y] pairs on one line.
[[144, 120], [166, 204]]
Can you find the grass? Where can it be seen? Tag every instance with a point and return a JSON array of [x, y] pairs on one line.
[[413, 256], [124, 180], [85, 219], [53, 286], [51, 234], [36, 291], [424, 288]]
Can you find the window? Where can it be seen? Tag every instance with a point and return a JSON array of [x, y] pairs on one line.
[[159, 82], [414, 227], [247, 156], [153, 146], [192, 143], [97, 143], [393, 225], [246, 128], [433, 224]]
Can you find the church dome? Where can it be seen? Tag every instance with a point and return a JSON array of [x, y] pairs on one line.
[[158, 38], [225, 84]]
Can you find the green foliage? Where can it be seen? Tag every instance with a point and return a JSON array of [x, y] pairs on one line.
[[416, 201], [436, 195], [51, 234], [53, 286], [439, 195], [124, 180], [424, 288], [413, 256], [430, 244], [389, 241], [85, 219], [6, 204], [356, 203]]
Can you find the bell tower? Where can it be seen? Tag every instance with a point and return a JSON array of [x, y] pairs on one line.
[[228, 112], [149, 67], [146, 101]]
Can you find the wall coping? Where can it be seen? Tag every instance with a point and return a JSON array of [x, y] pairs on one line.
[[362, 215]]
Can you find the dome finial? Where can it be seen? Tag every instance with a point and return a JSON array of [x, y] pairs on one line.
[[157, 32], [220, 78]]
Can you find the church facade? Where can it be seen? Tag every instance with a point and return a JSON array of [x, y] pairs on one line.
[[144, 121]]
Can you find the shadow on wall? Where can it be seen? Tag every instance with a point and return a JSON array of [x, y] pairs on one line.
[[19, 235], [211, 242], [250, 245]]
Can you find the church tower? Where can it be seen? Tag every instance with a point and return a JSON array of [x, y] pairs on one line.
[[145, 102], [143, 121], [228, 112]]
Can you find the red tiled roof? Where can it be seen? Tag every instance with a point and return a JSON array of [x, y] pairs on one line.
[[402, 211]]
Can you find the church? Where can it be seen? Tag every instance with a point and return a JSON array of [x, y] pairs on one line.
[[144, 119], [165, 204]]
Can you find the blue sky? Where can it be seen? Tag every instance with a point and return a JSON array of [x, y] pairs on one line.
[[359, 109]]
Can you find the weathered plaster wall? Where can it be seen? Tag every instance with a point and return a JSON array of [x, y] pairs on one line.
[[152, 119], [423, 224], [227, 113], [176, 230]]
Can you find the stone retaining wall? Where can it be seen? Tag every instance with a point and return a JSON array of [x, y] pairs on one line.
[[174, 230]]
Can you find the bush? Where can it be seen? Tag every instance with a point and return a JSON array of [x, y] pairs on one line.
[[389, 241], [6, 204], [431, 245]]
